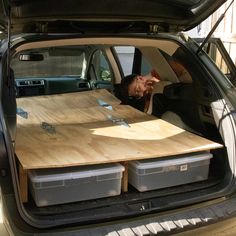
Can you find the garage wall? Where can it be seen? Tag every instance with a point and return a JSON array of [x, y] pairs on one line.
[[226, 29]]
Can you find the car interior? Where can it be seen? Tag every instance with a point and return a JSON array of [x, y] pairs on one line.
[[190, 101]]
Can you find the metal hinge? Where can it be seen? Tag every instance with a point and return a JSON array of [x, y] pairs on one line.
[[42, 27], [48, 128], [153, 28]]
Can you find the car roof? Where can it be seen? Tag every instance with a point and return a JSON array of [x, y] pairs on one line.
[[82, 16]]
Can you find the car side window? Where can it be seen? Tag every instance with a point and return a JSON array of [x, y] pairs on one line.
[[125, 55], [218, 53], [101, 67], [145, 66], [100, 73], [217, 56], [132, 61]]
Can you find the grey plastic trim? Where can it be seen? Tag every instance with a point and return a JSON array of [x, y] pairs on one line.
[[168, 224], [226, 125]]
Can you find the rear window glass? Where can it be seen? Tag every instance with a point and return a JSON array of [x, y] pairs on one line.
[[52, 62]]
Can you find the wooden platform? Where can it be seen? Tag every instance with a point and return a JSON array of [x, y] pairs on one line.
[[84, 132]]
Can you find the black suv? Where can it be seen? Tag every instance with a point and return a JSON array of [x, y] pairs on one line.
[[63, 114]]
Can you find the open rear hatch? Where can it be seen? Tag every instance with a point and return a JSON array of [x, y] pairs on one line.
[[114, 16]]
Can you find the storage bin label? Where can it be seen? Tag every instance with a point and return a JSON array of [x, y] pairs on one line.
[[184, 167], [170, 168], [175, 168]]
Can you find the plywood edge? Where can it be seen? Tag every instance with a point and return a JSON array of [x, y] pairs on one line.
[[54, 164]]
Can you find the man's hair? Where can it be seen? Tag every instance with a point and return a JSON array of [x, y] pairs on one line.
[[124, 87]]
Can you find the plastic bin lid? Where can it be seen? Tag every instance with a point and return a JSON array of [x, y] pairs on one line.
[[54, 174], [173, 160]]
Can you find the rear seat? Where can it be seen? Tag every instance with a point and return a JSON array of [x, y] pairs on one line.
[[159, 88]]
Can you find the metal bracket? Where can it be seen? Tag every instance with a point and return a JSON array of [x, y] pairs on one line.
[[118, 121], [42, 27], [153, 28], [22, 113], [49, 128], [104, 104]]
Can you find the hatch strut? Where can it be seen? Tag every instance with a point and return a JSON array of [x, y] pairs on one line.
[[213, 29]]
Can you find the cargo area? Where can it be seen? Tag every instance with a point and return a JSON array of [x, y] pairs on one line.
[[83, 155], [66, 143], [114, 120]]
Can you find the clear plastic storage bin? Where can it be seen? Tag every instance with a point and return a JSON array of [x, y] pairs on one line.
[[159, 173], [63, 185]]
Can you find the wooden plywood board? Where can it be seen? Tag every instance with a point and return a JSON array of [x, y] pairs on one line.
[[84, 133], [76, 116], [103, 141], [66, 108], [68, 100]]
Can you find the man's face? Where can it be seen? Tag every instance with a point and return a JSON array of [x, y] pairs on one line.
[[138, 87]]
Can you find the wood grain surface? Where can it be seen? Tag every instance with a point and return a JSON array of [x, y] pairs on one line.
[[84, 134]]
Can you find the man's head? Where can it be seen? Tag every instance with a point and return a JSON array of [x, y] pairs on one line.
[[137, 85], [134, 86]]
